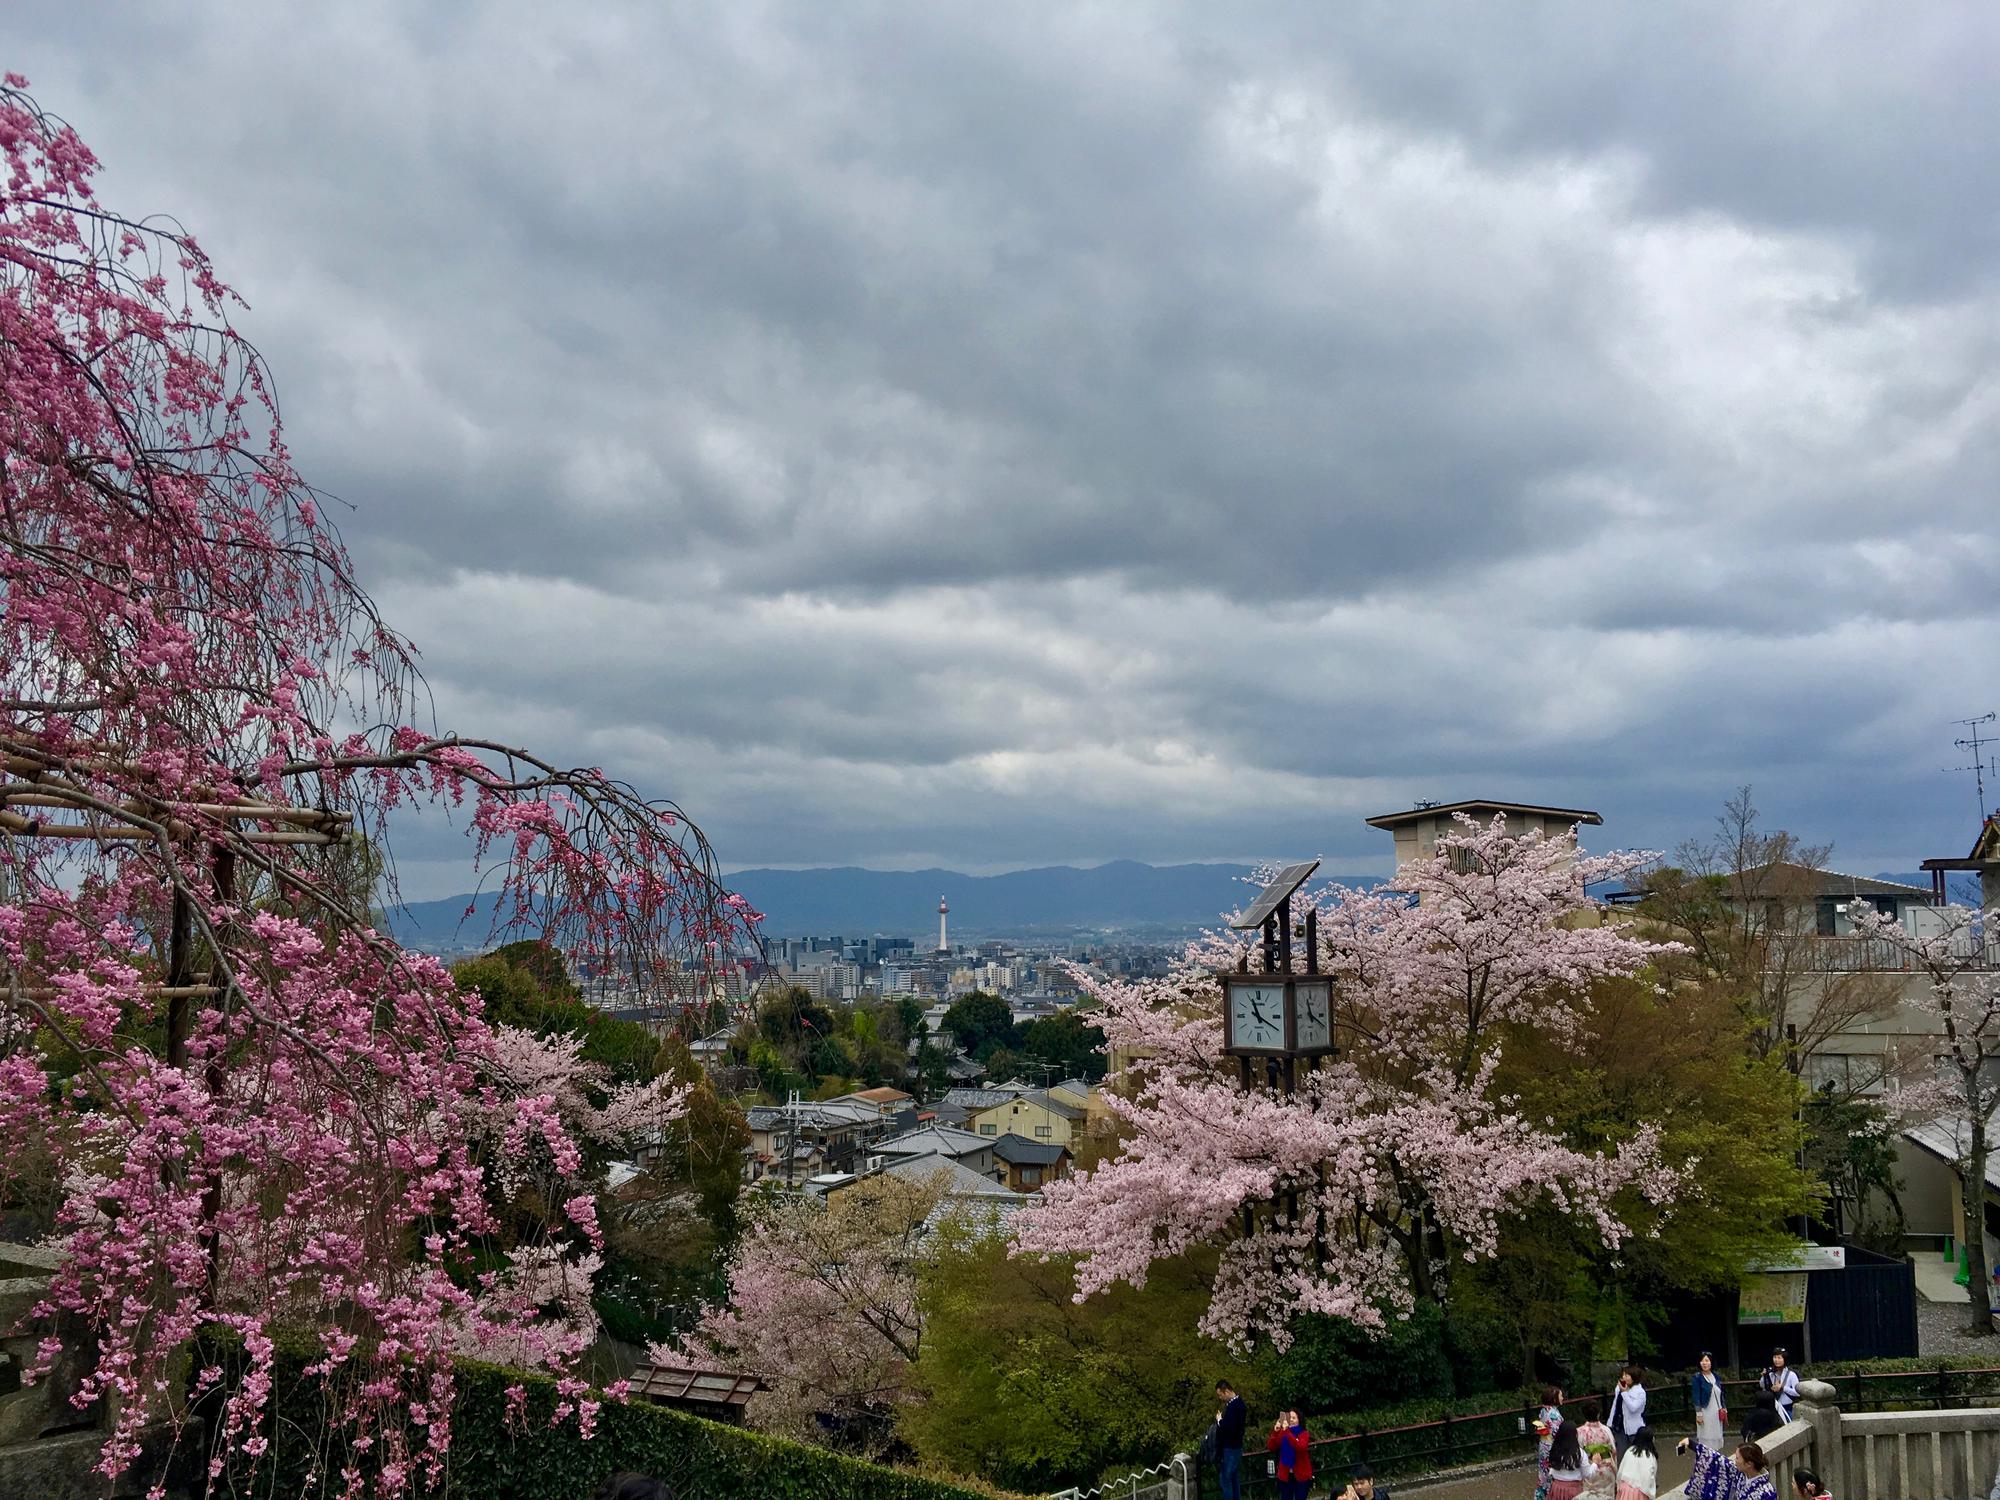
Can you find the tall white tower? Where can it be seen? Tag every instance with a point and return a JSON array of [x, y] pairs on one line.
[[943, 946]]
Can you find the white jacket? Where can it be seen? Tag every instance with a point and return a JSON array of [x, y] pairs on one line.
[[1628, 1409], [1641, 1471]]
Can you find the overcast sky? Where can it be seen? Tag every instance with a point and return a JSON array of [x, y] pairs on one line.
[[993, 435]]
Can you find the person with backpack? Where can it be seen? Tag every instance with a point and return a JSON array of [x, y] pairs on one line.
[[1782, 1382]]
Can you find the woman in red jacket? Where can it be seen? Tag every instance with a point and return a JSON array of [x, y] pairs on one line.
[[1293, 1445]]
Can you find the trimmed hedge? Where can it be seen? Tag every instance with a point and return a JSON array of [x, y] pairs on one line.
[[530, 1459]]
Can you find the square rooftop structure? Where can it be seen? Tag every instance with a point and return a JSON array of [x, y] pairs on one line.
[[1416, 831]]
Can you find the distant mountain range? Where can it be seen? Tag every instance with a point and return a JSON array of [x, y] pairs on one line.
[[1143, 901], [1147, 902]]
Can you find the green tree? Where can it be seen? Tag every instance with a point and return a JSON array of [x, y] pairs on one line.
[[1679, 1061], [933, 1070], [1034, 1391], [527, 985], [668, 1234], [1851, 1146], [981, 1023], [1068, 1043], [1334, 1365]]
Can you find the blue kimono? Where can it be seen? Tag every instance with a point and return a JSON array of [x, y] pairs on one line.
[[1716, 1477]]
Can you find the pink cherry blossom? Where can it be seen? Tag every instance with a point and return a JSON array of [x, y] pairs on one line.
[[1395, 1159], [262, 1111]]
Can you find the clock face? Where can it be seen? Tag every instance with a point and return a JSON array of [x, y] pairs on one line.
[[1257, 1016], [1315, 1025]]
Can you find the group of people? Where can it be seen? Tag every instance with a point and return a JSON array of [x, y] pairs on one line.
[[1290, 1447], [1591, 1459]]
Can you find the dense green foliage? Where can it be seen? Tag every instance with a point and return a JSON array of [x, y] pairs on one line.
[[1064, 1045], [527, 985], [493, 1458], [1034, 1391], [981, 1024], [668, 1234], [796, 1042], [1851, 1147], [1680, 1061], [1334, 1366]]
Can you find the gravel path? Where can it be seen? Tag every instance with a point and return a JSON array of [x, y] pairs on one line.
[[1939, 1330]]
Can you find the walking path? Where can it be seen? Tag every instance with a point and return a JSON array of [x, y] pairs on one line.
[[1934, 1280], [1518, 1483]]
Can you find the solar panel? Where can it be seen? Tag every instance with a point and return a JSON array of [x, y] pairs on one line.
[[1276, 894]]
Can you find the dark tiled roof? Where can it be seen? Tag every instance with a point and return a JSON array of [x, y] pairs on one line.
[[1019, 1151]]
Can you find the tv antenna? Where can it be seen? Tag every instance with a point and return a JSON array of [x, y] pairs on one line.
[[1976, 743]]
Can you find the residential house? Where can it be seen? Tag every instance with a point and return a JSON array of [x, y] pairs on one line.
[[975, 1199], [1073, 1091], [962, 1146], [1037, 1116], [798, 1139], [1029, 1164]]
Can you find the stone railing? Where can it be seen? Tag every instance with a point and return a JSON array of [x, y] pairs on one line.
[[1789, 1448], [48, 1449], [1939, 1455]]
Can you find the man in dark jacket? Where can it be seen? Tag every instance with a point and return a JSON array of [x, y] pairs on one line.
[[1362, 1486], [1229, 1425]]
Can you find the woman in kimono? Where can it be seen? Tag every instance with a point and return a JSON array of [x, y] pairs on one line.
[[1742, 1475], [1601, 1450], [1547, 1423]]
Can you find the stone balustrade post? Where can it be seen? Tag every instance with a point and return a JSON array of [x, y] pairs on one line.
[[1816, 1407]]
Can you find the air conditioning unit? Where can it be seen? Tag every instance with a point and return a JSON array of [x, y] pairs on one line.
[[874, 1163]]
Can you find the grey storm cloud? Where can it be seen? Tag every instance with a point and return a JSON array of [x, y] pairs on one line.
[[1002, 435]]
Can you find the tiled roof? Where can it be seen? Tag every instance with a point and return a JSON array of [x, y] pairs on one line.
[[975, 1098], [1019, 1151], [941, 1139], [960, 1180]]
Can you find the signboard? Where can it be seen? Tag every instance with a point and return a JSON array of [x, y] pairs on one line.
[[1778, 1297], [1805, 1258]]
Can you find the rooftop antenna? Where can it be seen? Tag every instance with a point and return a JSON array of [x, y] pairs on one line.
[[1975, 742]]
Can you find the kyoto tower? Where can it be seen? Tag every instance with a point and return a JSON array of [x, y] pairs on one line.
[[943, 946]]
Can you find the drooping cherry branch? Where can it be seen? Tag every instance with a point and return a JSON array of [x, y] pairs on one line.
[[261, 1110]]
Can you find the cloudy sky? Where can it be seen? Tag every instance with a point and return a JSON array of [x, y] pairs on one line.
[[1003, 435]]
